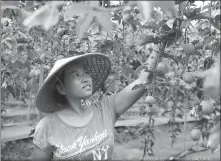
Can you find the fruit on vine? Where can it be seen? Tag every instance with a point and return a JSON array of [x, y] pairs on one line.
[[188, 77], [162, 68], [170, 104], [150, 100], [189, 49], [152, 109], [126, 9], [195, 134], [127, 17], [179, 104], [61, 31], [207, 107]]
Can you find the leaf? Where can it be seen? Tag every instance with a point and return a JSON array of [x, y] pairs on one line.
[[146, 8], [22, 34], [46, 17], [11, 90], [75, 53], [21, 83], [217, 19], [75, 9], [104, 19], [147, 39], [83, 25], [170, 22], [183, 6], [18, 65], [31, 53], [138, 86], [210, 39], [20, 50], [22, 40], [14, 58], [168, 7]]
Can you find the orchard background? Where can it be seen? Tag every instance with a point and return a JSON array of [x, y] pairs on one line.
[[178, 42]]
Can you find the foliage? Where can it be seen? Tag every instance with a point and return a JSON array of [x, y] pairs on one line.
[[35, 35]]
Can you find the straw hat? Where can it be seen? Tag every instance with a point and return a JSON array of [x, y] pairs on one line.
[[97, 65]]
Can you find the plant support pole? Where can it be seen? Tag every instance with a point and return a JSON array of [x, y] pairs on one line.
[[185, 119], [41, 76]]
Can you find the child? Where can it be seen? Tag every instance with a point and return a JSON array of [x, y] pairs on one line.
[[73, 130]]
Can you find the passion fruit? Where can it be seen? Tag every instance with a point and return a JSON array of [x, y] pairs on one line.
[[60, 31], [207, 107], [162, 68], [189, 49], [188, 77], [150, 100], [127, 17], [195, 134], [152, 109]]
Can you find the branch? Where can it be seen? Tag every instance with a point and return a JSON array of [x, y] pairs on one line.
[[185, 152]]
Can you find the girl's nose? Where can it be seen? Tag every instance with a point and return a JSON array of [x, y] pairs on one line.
[[84, 81]]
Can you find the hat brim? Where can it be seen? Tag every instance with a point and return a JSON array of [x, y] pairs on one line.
[[97, 65]]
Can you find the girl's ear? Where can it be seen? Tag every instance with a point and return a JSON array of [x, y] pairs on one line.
[[60, 89]]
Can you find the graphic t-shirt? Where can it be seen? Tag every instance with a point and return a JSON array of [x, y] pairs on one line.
[[92, 142]]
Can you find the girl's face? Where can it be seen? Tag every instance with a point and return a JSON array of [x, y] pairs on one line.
[[77, 81]]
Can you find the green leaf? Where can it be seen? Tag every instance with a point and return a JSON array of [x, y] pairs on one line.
[[18, 65], [170, 22], [147, 39], [11, 90], [146, 8], [20, 50], [21, 83], [31, 53], [210, 39], [14, 58], [22, 40], [74, 10], [46, 17], [22, 35], [104, 19], [83, 25]]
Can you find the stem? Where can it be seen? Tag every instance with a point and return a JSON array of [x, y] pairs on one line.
[[41, 79], [185, 120], [0, 70], [210, 12]]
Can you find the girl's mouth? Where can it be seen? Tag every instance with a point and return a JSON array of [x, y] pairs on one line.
[[87, 87]]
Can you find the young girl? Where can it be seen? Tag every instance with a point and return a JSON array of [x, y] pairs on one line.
[[73, 130]]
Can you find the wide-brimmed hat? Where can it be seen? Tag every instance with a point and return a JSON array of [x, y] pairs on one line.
[[97, 65]]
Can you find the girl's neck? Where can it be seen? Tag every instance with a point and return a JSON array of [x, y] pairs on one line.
[[76, 107]]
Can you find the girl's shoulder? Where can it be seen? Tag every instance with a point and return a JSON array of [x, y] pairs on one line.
[[44, 122]]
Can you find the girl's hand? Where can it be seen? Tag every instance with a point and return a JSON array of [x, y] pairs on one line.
[[143, 76]]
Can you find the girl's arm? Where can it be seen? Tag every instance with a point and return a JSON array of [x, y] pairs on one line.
[[40, 155], [127, 97]]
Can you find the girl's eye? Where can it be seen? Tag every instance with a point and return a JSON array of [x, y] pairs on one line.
[[75, 75], [86, 72]]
